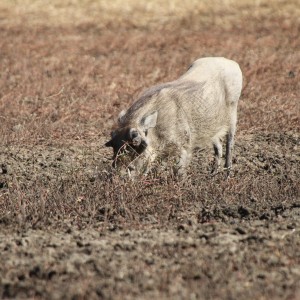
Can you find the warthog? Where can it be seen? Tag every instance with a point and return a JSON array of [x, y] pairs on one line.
[[192, 112]]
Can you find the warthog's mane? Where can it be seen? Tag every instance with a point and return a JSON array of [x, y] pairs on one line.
[[176, 90]]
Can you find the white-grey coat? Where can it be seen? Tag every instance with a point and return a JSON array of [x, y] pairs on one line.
[[194, 111]]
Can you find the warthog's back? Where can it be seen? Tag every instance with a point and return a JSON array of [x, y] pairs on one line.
[[207, 80], [217, 71]]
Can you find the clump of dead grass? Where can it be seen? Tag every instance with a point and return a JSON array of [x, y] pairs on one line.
[[104, 200]]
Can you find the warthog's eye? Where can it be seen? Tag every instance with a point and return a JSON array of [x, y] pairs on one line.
[[146, 132]]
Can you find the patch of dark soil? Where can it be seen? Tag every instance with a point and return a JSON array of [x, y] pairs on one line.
[[150, 262]]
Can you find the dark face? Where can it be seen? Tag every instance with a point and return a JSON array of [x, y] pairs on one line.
[[126, 143]]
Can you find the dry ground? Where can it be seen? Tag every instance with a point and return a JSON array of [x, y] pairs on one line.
[[67, 231]]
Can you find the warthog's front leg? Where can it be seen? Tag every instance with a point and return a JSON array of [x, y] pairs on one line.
[[185, 158]]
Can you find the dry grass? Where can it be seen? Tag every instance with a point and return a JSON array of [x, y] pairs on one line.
[[71, 67], [150, 14]]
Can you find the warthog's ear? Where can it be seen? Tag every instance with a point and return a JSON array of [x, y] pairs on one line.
[[108, 144], [121, 116], [135, 137], [149, 120]]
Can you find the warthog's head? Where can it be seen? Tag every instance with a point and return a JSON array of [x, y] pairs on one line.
[[131, 141]]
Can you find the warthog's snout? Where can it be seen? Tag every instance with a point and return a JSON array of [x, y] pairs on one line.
[[127, 144]]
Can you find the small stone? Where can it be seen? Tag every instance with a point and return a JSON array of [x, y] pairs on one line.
[[149, 261], [291, 226], [243, 211], [3, 169], [17, 127], [240, 230], [291, 74]]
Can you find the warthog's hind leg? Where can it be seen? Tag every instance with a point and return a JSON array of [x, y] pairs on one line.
[[218, 150], [229, 149]]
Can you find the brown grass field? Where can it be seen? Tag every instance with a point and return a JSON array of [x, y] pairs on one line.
[[70, 231]]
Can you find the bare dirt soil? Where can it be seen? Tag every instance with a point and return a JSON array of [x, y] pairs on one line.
[[68, 230]]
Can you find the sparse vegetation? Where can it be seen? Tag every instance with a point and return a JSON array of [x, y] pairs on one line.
[[69, 229]]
